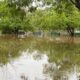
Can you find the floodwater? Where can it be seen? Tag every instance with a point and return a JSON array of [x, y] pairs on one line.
[[32, 66], [25, 68], [32, 59]]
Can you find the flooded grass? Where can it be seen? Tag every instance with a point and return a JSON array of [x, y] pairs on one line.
[[64, 55], [11, 47]]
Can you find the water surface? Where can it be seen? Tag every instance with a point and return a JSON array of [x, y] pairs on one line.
[[38, 59]]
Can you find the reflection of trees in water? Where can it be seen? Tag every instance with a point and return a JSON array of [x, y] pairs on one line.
[[23, 77], [63, 54], [55, 73], [58, 74]]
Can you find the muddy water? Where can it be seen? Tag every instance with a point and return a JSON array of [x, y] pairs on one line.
[[26, 67], [34, 66], [38, 59]]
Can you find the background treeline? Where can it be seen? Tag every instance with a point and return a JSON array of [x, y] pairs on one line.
[[59, 16]]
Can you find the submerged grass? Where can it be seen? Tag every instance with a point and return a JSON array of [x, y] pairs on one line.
[[62, 53]]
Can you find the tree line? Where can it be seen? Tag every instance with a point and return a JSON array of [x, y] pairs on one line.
[[14, 17]]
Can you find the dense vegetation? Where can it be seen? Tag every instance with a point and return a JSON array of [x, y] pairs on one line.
[[14, 16]]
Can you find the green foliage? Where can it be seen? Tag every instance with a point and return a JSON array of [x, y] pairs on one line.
[[26, 25], [74, 20], [19, 2], [57, 17], [7, 24]]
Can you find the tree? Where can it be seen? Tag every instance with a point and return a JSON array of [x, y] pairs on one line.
[[76, 3], [15, 7], [19, 3]]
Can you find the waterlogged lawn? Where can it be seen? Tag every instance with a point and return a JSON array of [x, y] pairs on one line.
[[11, 48], [64, 56]]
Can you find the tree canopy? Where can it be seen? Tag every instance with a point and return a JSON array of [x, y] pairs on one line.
[[20, 14]]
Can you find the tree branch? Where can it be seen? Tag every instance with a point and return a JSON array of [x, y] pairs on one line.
[[72, 1]]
